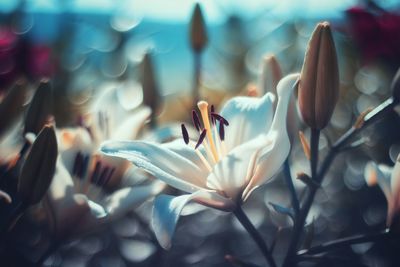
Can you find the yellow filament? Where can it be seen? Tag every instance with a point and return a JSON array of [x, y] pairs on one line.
[[203, 107], [208, 150], [218, 140]]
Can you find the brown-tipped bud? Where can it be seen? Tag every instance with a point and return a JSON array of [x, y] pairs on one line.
[[396, 86], [271, 74], [40, 108], [12, 105], [151, 94], [198, 32], [39, 167], [319, 80], [252, 90]]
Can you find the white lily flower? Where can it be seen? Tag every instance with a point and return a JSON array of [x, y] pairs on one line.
[[76, 207], [221, 170], [88, 186], [388, 179]]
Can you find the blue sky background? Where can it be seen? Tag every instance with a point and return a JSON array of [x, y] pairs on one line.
[[179, 10], [161, 26]]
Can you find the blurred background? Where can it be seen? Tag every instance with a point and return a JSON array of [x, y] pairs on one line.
[[87, 46]]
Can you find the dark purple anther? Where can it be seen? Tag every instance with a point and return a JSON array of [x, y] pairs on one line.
[[185, 134], [196, 120], [103, 176], [96, 172], [221, 132], [212, 118], [220, 118], [201, 138]]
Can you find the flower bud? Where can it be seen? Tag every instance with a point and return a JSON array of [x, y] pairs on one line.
[[151, 94], [198, 32], [271, 74], [12, 105], [319, 80], [39, 167], [396, 86], [40, 108]]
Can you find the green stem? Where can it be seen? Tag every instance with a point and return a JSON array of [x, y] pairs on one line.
[[244, 220], [292, 190], [347, 241]]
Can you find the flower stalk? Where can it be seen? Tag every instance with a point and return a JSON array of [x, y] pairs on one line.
[[255, 235], [347, 241], [289, 181]]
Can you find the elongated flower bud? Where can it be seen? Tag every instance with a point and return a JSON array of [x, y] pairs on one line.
[[271, 74], [319, 80], [151, 93], [198, 32], [39, 167], [396, 86], [39, 109]]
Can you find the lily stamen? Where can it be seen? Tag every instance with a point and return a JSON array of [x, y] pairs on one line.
[[185, 134], [201, 138], [196, 120], [221, 133], [214, 144], [80, 166], [212, 110], [218, 117], [203, 107]]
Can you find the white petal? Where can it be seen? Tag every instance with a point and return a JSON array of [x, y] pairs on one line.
[[230, 173], [167, 210], [126, 199], [165, 215], [62, 184], [130, 128], [178, 146], [248, 117], [271, 158], [163, 163], [92, 220], [276, 145], [96, 210]]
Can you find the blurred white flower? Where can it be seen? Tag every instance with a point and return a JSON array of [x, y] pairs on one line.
[[222, 169], [77, 207], [90, 189], [388, 179]]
